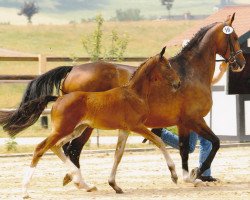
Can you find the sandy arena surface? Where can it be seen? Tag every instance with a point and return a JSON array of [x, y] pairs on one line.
[[141, 176]]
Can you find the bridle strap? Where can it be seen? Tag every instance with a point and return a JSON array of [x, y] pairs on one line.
[[233, 54]]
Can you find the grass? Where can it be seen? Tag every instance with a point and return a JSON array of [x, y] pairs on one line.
[[146, 38]]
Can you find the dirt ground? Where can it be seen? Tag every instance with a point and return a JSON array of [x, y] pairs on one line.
[[141, 176]]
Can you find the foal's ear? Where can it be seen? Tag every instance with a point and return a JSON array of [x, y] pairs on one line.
[[162, 52]]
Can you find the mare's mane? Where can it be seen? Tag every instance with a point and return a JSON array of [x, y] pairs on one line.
[[195, 40]]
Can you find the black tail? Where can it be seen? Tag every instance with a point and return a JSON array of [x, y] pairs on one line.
[[44, 84], [27, 114]]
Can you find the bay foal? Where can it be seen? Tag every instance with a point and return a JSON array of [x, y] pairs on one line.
[[125, 108]]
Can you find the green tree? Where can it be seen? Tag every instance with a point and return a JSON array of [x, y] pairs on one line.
[[169, 5], [128, 15], [93, 43], [29, 9], [117, 47]]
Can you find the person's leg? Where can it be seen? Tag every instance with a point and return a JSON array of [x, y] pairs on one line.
[[172, 139], [205, 148]]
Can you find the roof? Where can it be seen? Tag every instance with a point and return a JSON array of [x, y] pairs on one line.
[[241, 23]]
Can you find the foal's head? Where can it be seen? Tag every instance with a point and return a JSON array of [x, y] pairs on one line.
[[228, 45], [158, 68]]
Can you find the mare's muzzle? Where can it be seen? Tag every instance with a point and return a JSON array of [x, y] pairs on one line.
[[235, 64]]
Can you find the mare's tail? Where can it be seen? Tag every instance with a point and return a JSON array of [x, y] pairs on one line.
[[38, 90], [44, 84], [27, 114]]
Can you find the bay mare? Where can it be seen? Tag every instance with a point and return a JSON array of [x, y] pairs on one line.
[[186, 108], [125, 108]]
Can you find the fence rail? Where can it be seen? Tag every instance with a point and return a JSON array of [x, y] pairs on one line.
[[42, 62]]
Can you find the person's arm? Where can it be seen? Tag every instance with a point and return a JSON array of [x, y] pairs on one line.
[[223, 69]]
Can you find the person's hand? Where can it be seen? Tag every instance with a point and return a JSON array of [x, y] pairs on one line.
[[223, 66]]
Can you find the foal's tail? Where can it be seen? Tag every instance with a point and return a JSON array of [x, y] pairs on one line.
[[27, 114], [44, 84], [38, 90]]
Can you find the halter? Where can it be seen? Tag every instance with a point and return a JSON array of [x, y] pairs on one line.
[[233, 54]]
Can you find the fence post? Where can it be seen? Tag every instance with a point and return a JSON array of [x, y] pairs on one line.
[[42, 64], [42, 59]]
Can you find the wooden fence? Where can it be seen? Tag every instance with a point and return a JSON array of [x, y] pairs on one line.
[[42, 62]]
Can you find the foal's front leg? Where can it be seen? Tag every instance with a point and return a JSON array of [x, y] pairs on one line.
[[142, 130], [122, 139]]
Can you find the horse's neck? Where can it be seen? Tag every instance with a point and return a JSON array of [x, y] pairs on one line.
[[140, 85], [197, 63]]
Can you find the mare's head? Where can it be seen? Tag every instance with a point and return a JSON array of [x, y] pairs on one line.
[[228, 45], [158, 68]]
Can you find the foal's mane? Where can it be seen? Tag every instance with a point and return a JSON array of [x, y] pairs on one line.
[[140, 67], [195, 40]]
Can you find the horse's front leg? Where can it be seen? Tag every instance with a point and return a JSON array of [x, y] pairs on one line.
[[122, 139], [201, 128]]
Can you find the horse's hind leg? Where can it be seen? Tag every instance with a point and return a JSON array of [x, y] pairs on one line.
[[75, 173], [122, 139], [184, 150], [39, 151], [73, 151], [142, 130]]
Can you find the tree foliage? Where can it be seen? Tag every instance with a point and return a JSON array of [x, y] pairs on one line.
[[93, 43], [29, 9], [168, 4], [128, 15]]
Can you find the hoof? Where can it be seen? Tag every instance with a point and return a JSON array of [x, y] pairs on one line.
[[199, 183], [26, 196], [92, 189], [174, 179], [67, 179], [115, 187], [194, 174], [119, 191]]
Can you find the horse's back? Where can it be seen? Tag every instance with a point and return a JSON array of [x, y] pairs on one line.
[[97, 76]]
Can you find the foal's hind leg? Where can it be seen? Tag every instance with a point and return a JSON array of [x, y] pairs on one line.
[[39, 151], [142, 130], [75, 173], [122, 139]]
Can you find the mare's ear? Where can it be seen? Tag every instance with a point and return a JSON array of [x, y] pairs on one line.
[[162, 52], [230, 19]]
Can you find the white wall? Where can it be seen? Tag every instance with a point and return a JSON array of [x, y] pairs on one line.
[[223, 119], [247, 117]]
